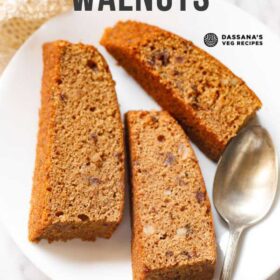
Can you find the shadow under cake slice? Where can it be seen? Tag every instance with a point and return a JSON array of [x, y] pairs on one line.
[[173, 234], [78, 184], [199, 91]]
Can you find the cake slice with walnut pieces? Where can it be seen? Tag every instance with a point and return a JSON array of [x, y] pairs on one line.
[[198, 90], [173, 234], [78, 185]]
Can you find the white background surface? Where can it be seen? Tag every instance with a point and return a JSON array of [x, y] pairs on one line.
[[13, 265]]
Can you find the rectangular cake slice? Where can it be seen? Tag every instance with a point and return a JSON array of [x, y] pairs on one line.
[[173, 234], [78, 184], [199, 91]]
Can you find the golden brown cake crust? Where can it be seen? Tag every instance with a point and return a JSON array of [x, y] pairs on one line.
[[172, 226], [80, 139], [39, 207], [204, 95]]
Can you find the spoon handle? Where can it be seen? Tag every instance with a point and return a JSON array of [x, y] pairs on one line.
[[234, 236]]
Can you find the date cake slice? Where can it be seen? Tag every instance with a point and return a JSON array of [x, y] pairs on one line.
[[199, 91], [173, 234], [78, 184]]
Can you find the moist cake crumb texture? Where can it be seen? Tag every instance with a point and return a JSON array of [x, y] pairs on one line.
[[199, 91], [78, 188], [173, 234]]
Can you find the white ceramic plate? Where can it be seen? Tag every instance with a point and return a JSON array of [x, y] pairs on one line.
[[19, 104]]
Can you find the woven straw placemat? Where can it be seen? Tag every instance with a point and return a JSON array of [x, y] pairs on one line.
[[20, 18]]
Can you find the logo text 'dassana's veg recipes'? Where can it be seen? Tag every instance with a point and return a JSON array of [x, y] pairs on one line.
[[242, 40], [211, 39], [139, 5]]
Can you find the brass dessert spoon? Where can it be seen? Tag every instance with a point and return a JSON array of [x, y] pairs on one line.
[[245, 185]]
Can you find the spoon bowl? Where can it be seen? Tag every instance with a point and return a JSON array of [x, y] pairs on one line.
[[245, 185]]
